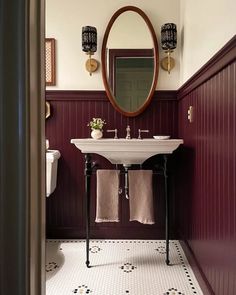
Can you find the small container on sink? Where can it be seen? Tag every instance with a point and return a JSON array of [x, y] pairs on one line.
[[161, 137]]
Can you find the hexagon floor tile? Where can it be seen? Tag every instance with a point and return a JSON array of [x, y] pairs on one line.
[[119, 267]]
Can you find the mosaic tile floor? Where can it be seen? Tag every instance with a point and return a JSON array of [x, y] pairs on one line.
[[119, 267]]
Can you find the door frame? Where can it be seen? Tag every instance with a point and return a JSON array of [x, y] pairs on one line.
[[22, 148]]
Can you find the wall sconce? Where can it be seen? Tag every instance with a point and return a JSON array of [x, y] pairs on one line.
[[168, 43], [89, 45]]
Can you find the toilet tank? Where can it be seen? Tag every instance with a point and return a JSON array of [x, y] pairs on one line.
[[52, 157]]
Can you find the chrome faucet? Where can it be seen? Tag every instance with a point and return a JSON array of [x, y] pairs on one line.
[[128, 132], [141, 131], [115, 132]]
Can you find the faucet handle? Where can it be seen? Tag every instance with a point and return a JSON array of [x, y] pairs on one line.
[[128, 132], [142, 131], [115, 131]]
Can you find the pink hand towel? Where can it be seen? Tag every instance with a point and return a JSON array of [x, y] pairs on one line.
[[141, 196], [107, 196]]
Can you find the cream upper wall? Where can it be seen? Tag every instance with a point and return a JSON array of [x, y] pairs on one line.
[[64, 20], [205, 27]]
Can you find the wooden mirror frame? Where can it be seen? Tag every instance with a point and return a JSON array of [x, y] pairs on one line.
[[156, 61]]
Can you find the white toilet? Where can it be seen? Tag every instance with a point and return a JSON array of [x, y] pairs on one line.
[[52, 157]]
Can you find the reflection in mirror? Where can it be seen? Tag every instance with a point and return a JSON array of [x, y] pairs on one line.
[[129, 60], [130, 76]]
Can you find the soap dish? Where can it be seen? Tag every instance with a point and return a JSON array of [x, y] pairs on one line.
[[161, 137]]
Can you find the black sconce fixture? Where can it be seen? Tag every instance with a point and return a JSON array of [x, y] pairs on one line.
[[89, 45], [168, 43]]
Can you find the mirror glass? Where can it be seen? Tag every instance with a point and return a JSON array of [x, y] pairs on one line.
[[129, 61]]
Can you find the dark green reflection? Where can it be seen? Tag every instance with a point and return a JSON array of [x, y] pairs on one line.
[[133, 80]]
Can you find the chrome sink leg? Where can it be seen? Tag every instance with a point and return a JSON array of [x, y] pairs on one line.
[[126, 181]]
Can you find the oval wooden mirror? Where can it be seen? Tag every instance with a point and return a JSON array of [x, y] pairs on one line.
[[130, 61]]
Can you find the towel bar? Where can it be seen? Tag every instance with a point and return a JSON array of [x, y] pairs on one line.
[[88, 171]]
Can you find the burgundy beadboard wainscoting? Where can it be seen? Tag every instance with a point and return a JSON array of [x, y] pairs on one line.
[[70, 113], [207, 176]]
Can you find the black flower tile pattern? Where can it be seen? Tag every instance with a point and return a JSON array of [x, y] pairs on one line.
[[161, 249], [95, 249], [83, 289], [128, 267], [51, 266], [142, 260], [173, 291]]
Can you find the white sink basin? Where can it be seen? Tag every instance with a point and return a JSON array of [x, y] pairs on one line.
[[126, 151]]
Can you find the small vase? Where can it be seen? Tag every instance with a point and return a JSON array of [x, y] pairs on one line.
[[96, 134]]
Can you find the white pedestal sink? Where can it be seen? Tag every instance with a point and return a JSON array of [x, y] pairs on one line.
[[126, 151]]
